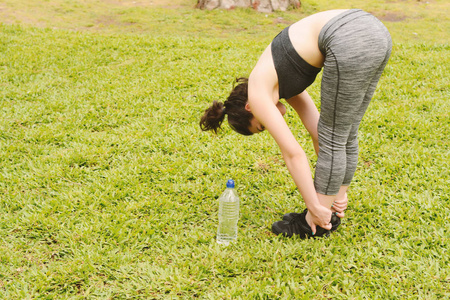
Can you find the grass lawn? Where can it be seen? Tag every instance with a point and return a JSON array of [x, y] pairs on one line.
[[108, 188]]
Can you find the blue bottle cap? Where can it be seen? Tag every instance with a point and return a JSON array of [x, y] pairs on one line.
[[230, 183]]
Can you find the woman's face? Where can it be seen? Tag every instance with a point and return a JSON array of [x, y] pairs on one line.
[[257, 127]]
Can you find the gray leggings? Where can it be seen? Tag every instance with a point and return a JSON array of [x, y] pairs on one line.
[[356, 46]]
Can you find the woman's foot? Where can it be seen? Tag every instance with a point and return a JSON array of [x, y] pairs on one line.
[[296, 224], [335, 220]]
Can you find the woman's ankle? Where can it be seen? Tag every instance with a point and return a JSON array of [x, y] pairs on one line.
[[326, 200], [342, 194]]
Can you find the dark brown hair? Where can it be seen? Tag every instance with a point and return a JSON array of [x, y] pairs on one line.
[[238, 117]]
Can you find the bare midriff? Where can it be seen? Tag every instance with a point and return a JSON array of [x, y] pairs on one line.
[[304, 36]]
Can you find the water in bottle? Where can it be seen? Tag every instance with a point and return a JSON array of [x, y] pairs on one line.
[[228, 215]]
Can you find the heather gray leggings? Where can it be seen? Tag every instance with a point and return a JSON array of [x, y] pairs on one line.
[[356, 47]]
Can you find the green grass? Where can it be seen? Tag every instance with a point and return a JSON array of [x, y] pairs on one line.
[[108, 188]]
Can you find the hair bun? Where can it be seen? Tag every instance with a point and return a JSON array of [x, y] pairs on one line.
[[213, 117]]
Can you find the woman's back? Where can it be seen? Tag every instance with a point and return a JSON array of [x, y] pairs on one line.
[[304, 35]]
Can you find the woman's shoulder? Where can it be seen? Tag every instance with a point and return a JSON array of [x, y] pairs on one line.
[[264, 67], [263, 76]]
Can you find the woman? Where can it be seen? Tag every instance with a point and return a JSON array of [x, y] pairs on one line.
[[352, 47]]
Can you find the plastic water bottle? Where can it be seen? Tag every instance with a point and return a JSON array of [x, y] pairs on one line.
[[228, 215]]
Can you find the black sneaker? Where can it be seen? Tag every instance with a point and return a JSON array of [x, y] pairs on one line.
[[297, 225], [335, 220]]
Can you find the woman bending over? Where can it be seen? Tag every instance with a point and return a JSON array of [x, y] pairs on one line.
[[352, 47]]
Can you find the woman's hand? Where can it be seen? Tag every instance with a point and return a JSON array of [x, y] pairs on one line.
[[339, 206], [319, 216]]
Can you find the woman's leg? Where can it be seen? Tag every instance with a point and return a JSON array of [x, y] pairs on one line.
[[338, 202], [355, 58], [352, 143]]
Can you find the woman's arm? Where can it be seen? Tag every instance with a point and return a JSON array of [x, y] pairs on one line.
[[263, 108], [308, 113]]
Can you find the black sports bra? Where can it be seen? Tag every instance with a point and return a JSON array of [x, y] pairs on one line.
[[294, 73]]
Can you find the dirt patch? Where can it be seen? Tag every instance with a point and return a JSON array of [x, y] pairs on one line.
[[9, 16], [418, 1], [280, 20], [110, 21], [390, 16], [146, 3], [106, 21], [130, 3]]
